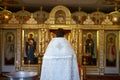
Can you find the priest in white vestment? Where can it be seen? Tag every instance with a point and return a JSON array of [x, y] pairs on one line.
[[59, 60]]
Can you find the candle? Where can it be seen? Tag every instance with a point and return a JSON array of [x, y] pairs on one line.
[[80, 47], [28, 61], [84, 47], [81, 71], [90, 44], [22, 62], [16, 63]]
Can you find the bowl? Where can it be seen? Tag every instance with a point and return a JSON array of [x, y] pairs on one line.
[[22, 75]]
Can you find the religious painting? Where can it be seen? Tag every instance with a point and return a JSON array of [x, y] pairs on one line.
[[9, 47], [79, 17], [111, 50], [23, 16], [60, 17], [89, 48], [9, 1], [30, 46], [40, 16], [111, 2]]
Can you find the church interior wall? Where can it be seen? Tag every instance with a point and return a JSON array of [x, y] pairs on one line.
[[42, 28]]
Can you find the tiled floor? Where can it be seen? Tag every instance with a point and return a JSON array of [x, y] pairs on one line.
[[2, 77], [88, 77]]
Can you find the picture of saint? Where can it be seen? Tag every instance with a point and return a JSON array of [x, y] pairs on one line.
[[30, 48], [111, 52], [9, 50], [89, 48], [60, 20], [90, 45], [60, 17]]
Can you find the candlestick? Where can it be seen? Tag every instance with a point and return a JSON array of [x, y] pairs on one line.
[[81, 70], [28, 65], [17, 65]]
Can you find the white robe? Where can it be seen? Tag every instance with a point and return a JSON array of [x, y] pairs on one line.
[[59, 61]]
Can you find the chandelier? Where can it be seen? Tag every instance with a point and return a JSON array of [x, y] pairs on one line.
[[115, 14], [5, 15]]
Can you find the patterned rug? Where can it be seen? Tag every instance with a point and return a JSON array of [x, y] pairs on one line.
[[103, 77]]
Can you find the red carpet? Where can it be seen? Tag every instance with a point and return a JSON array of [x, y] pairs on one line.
[[88, 77], [103, 77]]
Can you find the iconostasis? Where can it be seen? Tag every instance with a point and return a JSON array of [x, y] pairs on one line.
[[94, 37]]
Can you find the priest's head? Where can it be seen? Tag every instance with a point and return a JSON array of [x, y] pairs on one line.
[[60, 32]]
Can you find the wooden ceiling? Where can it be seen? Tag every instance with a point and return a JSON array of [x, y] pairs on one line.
[[86, 5]]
